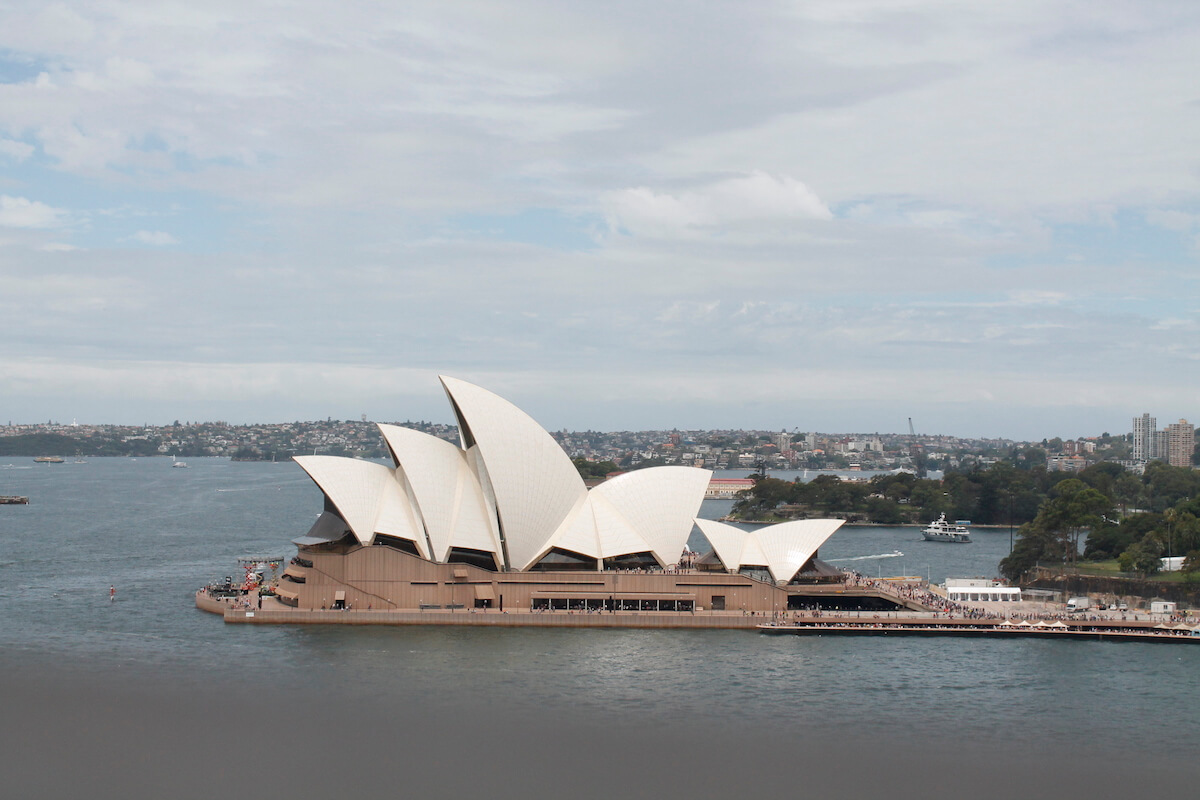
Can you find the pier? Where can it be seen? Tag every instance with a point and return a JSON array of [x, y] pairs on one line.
[[1103, 630], [822, 623]]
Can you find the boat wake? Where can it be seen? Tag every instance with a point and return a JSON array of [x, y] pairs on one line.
[[893, 554]]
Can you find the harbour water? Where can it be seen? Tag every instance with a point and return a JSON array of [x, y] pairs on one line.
[[984, 707]]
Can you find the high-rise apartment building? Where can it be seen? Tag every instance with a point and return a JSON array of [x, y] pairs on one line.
[[1181, 442], [1145, 438]]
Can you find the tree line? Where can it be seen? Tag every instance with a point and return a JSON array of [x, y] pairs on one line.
[[1101, 513]]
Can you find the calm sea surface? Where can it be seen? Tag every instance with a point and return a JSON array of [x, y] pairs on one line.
[[157, 533]]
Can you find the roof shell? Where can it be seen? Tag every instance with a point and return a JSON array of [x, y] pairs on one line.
[[367, 496], [449, 499], [657, 504], [783, 548], [536, 486], [512, 492]]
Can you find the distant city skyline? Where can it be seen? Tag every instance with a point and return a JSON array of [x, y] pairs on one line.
[[833, 215], [1154, 447], [1160, 444]]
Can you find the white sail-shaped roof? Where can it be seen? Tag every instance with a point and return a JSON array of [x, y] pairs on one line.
[[536, 487], [783, 549], [789, 545], [510, 490], [752, 553], [616, 534], [367, 496], [449, 499], [726, 540], [656, 506], [579, 532]]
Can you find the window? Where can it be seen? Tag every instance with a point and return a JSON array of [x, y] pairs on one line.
[[396, 543], [643, 561], [475, 558], [718, 602], [559, 560]]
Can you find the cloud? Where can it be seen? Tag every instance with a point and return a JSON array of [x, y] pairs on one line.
[[1037, 297], [1175, 324], [1172, 220], [17, 151], [835, 186], [155, 238], [754, 197], [20, 212]]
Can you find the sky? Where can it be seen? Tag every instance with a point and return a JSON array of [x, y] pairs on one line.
[[820, 216]]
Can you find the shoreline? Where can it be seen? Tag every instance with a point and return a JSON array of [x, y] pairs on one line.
[[860, 524], [911, 623]]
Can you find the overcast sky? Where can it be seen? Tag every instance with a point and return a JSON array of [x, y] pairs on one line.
[[817, 215]]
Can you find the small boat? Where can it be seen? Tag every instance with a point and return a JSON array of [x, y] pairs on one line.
[[942, 531], [48, 460], [13, 500], [175, 464]]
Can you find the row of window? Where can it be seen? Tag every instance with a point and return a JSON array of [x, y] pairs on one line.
[[985, 596], [607, 604]]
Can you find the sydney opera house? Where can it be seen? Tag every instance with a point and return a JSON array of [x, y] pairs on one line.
[[504, 522]]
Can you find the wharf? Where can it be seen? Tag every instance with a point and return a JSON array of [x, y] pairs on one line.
[[1104, 630], [826, 623], [13, 500], [275, 613]]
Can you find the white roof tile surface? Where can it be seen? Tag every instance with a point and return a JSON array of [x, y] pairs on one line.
[[782, 548], [516, 476], [535, 484]]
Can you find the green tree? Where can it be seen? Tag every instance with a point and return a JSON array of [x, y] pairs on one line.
[[1167, 485], [766, 494], [1127, 489], [593, 469], [1111, 539], [1053, 536], [1035, 544], [1140, 558], [883, 511], [1074, 507]]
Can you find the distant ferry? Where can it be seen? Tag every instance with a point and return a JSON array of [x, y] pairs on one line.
[[48, 460], [942, 531]]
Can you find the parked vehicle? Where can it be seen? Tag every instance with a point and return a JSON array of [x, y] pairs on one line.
[[1079, 604]]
